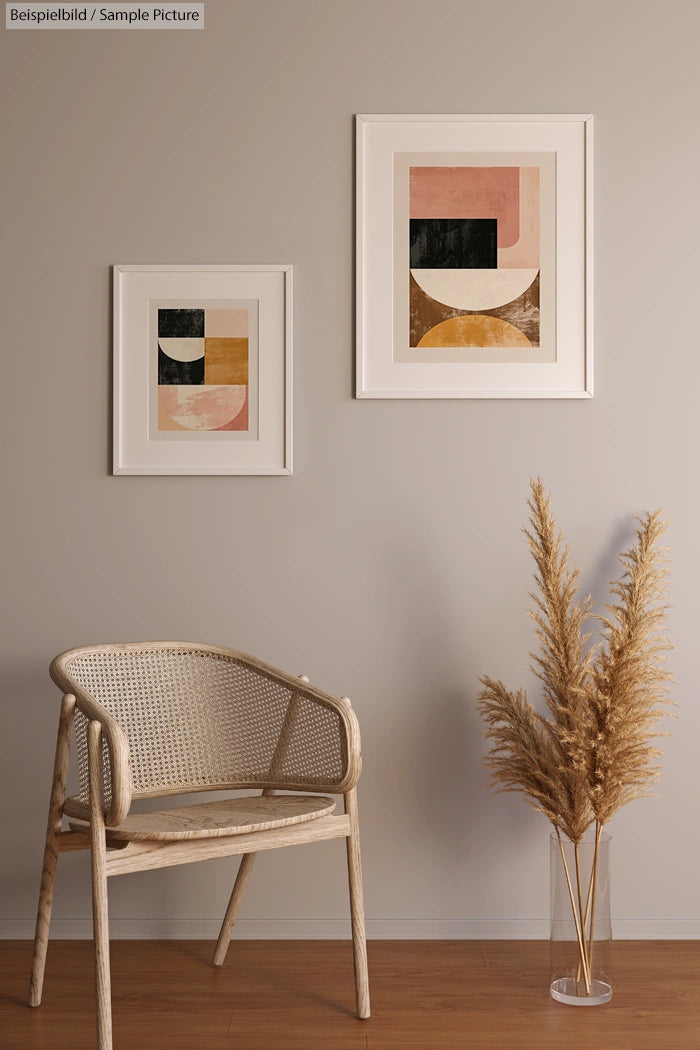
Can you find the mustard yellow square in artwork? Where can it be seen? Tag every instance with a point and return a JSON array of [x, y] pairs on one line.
[[225, 362]]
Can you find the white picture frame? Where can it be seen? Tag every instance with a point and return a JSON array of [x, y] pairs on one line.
[[401, 354], [223, 410]]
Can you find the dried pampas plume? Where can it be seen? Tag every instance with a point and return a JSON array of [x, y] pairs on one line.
[[594, 752]]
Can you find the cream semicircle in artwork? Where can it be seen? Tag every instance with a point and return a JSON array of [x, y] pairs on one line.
[[474, 289]]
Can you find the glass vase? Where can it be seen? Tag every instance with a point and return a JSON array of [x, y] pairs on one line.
[[581, 931]]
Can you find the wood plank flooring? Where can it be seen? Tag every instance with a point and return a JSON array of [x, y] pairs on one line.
[[299, 995]]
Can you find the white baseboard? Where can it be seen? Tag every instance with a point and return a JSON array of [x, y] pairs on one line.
[[339, 929]]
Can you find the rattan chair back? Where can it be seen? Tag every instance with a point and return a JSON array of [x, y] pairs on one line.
[[200, 718]]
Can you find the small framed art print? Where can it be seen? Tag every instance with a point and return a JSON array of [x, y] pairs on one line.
[[203, 369]]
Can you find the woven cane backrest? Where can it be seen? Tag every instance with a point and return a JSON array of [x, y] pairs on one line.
[[198, 718]]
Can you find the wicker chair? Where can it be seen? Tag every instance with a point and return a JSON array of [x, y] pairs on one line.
[[164, 718]]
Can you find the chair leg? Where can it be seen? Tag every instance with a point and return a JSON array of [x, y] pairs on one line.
[[234, 904], [43, 917], [100, 919], [51, 850], [357, 908]]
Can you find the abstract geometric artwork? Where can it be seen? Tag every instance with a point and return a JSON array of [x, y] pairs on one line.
[[474, 256], [203, 369], [203, 358]]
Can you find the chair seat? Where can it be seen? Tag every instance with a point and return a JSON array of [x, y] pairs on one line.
[[233, 816]]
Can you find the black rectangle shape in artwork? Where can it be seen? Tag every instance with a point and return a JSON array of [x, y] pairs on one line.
[[179, 373], [453, 244], [181, 324]]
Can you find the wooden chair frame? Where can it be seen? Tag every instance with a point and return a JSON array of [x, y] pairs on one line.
[[105, 828]]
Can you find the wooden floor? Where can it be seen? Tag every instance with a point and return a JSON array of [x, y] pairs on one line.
[[299, 995]]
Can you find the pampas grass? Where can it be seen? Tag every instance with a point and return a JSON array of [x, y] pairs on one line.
[[594, 752]]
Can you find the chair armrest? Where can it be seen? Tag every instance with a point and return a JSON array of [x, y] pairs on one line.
[[312, 753], [116, 775], [301, 753]]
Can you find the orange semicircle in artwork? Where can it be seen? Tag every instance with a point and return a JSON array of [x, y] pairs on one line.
[[474, 330]]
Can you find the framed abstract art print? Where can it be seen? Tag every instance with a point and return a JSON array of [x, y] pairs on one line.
[[202, 369], [474, 256]]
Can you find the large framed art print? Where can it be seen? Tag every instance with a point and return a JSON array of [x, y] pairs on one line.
[[474, 256], [203, 369]]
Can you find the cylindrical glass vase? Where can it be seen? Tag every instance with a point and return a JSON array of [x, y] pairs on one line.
[[581, 932]]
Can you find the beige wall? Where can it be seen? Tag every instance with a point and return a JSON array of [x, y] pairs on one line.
[[391, 565]]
